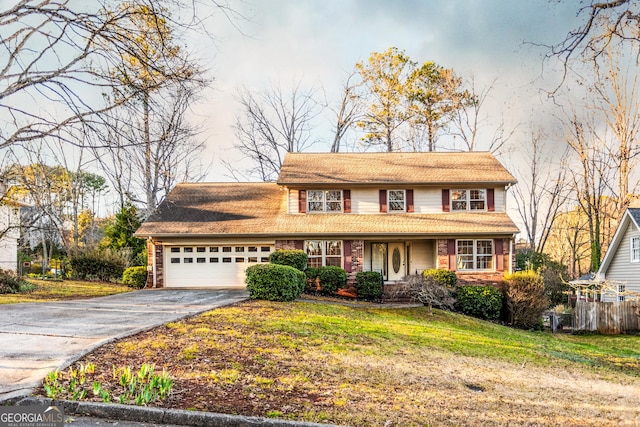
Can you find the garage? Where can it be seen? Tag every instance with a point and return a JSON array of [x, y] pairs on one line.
[[211, 266]]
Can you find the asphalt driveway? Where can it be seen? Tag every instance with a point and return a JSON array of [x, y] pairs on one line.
[[36, 338]]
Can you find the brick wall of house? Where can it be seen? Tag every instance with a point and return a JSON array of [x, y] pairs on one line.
[[443, 255], [286, 244], [357, 261], [490, 278], [149, 283], [159, 248]]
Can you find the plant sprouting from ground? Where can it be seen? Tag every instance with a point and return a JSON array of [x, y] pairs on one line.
[[138, 387]]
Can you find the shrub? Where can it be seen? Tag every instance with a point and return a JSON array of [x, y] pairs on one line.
[[369, 285], [484, 302], [104, 265], [274, 282], [292, 257], [10, 283], [35, 268], [442, 277], [312, 274], [525, 298], [135, 277], [332, 278], [435, 293]]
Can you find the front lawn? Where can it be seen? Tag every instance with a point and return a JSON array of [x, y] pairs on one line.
[[49, 290], [375, 366]]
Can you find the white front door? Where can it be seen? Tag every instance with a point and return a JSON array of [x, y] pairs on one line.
[[397, 261]]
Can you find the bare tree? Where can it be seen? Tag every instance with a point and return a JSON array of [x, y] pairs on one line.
[[348, 113], [468, 122], [541, 191], [171, 154], [60, 53], [607, 23], [273, 123]]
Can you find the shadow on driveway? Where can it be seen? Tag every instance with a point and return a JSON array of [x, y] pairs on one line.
[[36, 338]]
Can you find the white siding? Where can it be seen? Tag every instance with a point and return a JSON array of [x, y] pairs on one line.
[[621, 268], [427, 200], [422, 255], [365, 201], [9, 224], [293, 201]]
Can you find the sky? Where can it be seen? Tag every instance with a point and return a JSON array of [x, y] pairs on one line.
[[317, 43]]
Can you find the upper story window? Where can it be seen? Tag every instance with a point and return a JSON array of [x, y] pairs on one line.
[[468, 200], [396, 201], [324, 200], [635, 249], [474, 255]]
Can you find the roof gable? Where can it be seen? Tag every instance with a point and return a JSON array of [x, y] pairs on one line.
[[631, 217], [393, 168]]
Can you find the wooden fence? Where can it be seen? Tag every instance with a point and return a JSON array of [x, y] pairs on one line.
[[606, 317]]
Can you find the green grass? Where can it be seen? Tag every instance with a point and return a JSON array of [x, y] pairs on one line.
[[46, 290], [371, 365]]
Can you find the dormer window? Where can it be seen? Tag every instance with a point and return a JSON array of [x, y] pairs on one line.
[[324, 200], [468, 200]]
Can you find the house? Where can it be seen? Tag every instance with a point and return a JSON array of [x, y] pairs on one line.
[[9, 230], [396, 213], [621, 264]]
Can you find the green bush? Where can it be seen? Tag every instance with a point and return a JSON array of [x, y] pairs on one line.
[[35, 268], [135, 277], [104, 265], [369, 285], [274, 282], [525, 298], [10, 283], [332, 278], [292, 257], [312, 273], [442, 277], [484, 302]]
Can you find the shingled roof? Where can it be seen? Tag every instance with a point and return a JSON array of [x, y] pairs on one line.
[[393, 168], [260, 209]]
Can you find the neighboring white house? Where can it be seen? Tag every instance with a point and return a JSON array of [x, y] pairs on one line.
[[621, 264], [9, 231]]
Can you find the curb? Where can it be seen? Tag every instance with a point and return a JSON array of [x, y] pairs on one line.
[[114, 411]]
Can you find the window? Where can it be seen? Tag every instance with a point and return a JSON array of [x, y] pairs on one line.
[[213, 259], [264, 259], [213, 249], [226, 259], [173, 250], [324, 252], [324, 200], [621, 290], [265, 249], [188, 249], [240, 259], [200, 249], [239, 248], [252, 259], [474, 254], [396, 201], [252, 249], [635, 249], [175, 260], [226, 249], [201, 260], [188, 260], [468, 200]]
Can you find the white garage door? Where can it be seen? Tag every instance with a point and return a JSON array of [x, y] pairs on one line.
[[211, 266]]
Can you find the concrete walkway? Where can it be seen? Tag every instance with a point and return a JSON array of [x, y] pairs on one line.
[[36, 338]]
